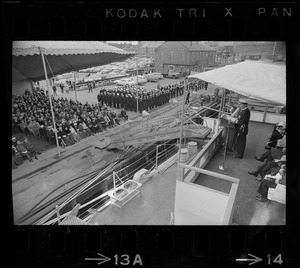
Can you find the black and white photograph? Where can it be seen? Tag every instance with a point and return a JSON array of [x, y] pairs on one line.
[[188, 133]]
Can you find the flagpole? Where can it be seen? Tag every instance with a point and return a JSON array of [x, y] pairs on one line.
[[52, 113]]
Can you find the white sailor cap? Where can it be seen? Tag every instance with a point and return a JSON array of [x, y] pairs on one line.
[[243, 101], [281, 124]]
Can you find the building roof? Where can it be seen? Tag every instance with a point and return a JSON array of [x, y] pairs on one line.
[[152, 44], [192, 46], [260, 48]]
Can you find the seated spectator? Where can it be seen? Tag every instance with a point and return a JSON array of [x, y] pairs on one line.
[[124, 114], [102, 122], [277, 134], [114, 117], [29, 146], [100, 128], [80, 130], [108, 119], [67, 137], [282, 142], [17, 159], [34, 128], [90, 126], [15, 125], [86, 129], [24, 127], [50, 135], [95, 125], [270, 181], [272, 154], [74, 134], [267, 167], [23, 151], [60, 136]]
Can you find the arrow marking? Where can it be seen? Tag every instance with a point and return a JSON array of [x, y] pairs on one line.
[[253, 261], [102, 259]]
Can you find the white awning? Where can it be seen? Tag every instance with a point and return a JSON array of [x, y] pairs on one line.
[[253, 79]]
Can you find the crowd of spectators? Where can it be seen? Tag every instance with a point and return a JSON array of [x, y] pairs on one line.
[[273, 169], [31, 115], [31, 112]]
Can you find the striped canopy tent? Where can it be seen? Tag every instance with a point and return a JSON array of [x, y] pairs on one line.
[[253, 79], [39, 60], [62, 56]]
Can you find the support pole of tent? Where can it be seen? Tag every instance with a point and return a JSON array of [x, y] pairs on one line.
[[50, 96], [181, 123], [75, 86]]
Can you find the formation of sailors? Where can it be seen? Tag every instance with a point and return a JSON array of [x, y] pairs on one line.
[[128, 97]]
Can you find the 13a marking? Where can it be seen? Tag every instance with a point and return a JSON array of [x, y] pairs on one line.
[[278, 259], [125, 259]]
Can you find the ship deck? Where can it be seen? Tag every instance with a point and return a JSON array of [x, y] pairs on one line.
[[35, 183], [156, 202]]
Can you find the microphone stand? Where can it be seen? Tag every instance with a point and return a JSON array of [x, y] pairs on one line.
[[222, 167]]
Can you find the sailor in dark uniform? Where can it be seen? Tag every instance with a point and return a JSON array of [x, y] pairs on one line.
[[241, 129], [99, 98]]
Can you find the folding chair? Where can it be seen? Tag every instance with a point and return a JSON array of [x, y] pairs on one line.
[[277, 194]]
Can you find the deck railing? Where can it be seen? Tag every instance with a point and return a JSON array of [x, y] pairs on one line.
[[203, 157], [102, 201], [187, 173]]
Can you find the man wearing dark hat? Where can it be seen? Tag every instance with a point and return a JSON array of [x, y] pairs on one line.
[[241, 129], [277, 134]]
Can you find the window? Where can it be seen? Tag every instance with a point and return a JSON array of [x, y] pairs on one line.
[[171, 56], [183, 56], [161, 55]]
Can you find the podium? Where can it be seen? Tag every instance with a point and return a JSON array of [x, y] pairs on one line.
[[229, 127]]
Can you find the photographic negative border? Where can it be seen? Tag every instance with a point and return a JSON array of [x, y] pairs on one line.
[[161, 245]]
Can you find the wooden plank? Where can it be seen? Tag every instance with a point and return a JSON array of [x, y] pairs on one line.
[[211, 173]]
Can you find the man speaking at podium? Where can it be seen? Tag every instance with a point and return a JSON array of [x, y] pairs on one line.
[[241, 129]]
